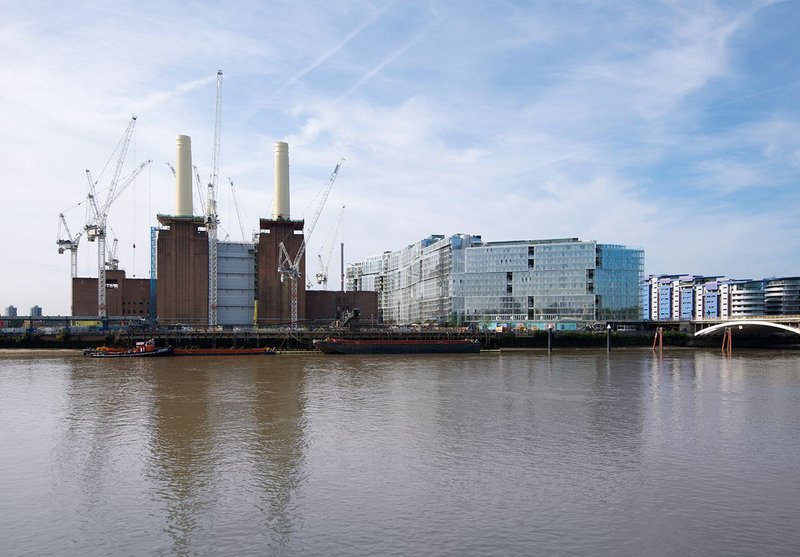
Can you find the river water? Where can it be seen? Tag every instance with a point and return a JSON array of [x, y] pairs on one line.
[[511, 453]]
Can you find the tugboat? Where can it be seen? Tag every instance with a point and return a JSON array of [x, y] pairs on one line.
[[146, 349]]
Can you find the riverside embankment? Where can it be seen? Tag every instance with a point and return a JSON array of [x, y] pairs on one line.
[[302, 339]]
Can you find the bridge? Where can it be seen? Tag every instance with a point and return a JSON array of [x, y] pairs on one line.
[[766, 324]]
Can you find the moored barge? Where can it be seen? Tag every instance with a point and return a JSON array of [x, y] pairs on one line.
[[225, 351], [427, 346]]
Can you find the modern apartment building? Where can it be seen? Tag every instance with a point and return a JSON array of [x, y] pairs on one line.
[[687, 297], [462, 280], [782, 296]]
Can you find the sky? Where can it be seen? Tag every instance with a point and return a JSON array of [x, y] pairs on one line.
[[669, 126]]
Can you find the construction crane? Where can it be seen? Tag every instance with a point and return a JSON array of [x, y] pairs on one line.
[[322, 275], [288, 267], [67, 242], [198, 181], [212, 219], [112, 262], [238, 210], [98, 211]]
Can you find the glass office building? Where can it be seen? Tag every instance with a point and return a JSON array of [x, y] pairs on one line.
[[462, 280]]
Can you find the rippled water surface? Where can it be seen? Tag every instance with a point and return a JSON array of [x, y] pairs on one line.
[[494, 454]]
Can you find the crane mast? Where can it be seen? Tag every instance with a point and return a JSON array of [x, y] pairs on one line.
[[212, 219], [67, 242], [199, 185], [96, 226], [322, 275], [290, 268], [112, 262], [238, 210]]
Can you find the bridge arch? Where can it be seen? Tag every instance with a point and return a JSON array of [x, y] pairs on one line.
[[746, 323]]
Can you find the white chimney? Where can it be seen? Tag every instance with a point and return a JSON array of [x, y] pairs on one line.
[[183, 177], [281, 206]]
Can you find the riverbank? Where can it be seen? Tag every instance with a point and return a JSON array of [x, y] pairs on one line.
[[303, 340]]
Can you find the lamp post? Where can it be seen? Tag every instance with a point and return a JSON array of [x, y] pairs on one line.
[[608, 337]]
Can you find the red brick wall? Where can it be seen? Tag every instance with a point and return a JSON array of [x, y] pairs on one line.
[[182, 287], [274, 296], [124, 296]]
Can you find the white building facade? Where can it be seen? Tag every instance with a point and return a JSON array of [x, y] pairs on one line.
[[691, 297]]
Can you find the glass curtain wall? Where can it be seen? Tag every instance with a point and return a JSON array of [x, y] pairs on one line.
[[462, 280]]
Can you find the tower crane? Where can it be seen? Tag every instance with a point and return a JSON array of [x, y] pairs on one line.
[[322, 275], [98, 211], [289, 267], [67, 242], [238, 210], [112, 261], [212, 219], [199, 185]]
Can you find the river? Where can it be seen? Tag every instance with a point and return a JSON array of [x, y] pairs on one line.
[[502, 453]]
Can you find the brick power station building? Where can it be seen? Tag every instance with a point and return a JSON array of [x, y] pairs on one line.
[[250, 289]]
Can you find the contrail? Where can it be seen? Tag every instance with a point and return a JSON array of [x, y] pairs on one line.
[[377, 69], [757, 94], [336, 48]]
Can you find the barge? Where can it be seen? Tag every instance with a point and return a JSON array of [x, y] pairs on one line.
[[225, 351], [432, 346]]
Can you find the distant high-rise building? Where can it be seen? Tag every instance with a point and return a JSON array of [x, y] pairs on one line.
[[10, 311], [36, 311]]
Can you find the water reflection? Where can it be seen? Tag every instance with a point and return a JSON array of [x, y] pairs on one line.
[[279, 445], [181, 449], [577, 452], [227, 445]]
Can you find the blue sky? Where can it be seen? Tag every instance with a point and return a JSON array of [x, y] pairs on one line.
[[671, 126]]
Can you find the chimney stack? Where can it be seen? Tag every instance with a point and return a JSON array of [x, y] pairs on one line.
[[183, 177], [280, 209]]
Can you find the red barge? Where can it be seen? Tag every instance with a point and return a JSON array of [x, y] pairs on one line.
[[432, 346], [224, 351]]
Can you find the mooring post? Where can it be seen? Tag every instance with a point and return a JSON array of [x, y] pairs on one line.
[[658, 340], [549, 337], [727, 341], [608, 338]]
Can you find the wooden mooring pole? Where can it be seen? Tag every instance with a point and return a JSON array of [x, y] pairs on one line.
[[658, 340], [727, 341]]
